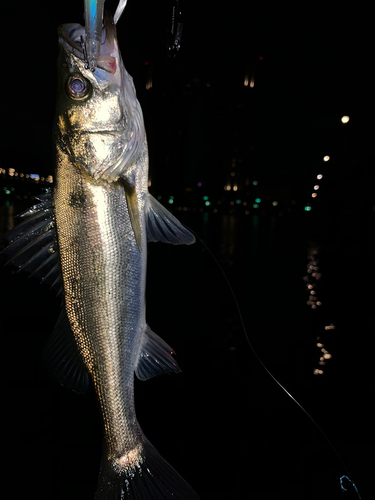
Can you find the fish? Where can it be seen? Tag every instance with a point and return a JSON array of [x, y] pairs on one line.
[[88, 240]]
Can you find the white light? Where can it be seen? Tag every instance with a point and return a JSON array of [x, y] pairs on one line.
[[330, 327], [326, 158], [345, 119], [316, 187], [319, 176]]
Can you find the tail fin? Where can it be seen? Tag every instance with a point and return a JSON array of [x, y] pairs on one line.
[[149, 477]]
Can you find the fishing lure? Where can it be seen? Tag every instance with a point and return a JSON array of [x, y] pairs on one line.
[[94, 31], [95, 34]]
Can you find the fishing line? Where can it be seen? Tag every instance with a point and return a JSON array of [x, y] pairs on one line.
[[343, 478]]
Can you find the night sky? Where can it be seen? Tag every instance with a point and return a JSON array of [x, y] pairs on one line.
[[310, 66], [315, 66]]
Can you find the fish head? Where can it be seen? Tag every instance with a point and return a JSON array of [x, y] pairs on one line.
[[99, 119]]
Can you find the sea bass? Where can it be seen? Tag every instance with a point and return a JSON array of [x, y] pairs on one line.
[[89, 241]]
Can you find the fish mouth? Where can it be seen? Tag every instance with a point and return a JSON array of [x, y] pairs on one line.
[[72, 37]]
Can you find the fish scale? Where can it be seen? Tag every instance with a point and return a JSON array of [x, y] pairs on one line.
[[106, 262], [89, 242]]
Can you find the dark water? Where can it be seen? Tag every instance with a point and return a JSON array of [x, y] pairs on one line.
[[223, 423]]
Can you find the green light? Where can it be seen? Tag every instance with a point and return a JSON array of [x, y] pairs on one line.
[[307, 208], [170, 201], [7, 191], [257, 200], [256, 205], [238, 202], [205, 198], [207, 203]]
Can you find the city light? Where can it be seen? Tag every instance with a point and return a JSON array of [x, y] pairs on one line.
[[330, 327], [326, 158], [319, 176], [345, 119], [314, 303]]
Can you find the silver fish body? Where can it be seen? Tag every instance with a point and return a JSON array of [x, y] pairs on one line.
[[103, 275], [90, 239]]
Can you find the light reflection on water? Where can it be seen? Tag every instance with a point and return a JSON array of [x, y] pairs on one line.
[[265, 259]]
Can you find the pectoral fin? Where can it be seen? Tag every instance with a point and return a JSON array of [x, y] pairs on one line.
[[133, 209]]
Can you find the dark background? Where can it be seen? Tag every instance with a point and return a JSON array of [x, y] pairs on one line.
[[223, 423]]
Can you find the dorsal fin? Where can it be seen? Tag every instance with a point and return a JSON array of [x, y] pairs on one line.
[[32, 243], [62, 359]]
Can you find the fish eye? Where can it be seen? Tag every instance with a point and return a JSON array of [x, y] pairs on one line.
[[77, 87]]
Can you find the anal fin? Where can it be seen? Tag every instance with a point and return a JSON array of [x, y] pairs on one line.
[[155, 357]]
